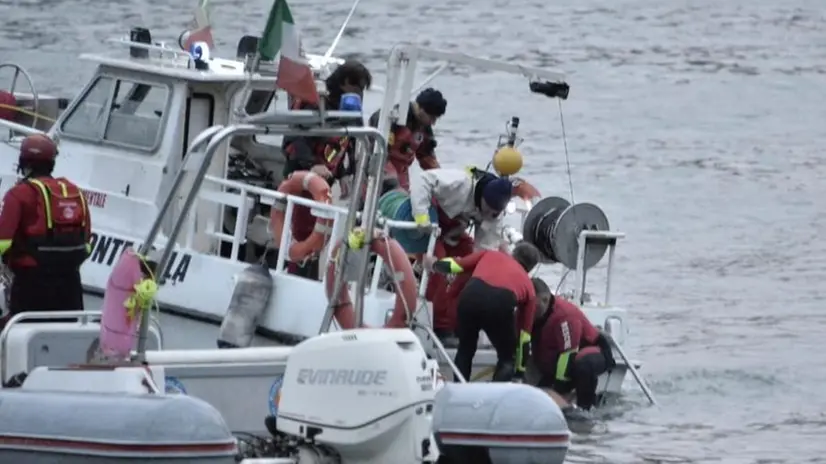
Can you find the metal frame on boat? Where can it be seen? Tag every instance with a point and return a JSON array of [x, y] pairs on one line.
[[226, 193]]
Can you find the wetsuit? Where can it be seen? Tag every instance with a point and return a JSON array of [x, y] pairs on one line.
[[412, 141], [497, 285], [570, 352], [302, 153], [45, 230]]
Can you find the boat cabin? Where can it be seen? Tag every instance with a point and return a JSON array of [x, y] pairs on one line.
[[124, 136]]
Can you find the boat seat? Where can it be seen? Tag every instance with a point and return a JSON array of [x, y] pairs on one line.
[[53, 344]]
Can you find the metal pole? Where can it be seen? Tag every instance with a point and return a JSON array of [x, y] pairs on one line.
[[196, 144], [215, 142], [344, 250], [368, 222], [633, 370]]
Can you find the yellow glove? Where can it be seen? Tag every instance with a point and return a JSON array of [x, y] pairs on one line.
[[523, 351], [355, 239], [422, 220]]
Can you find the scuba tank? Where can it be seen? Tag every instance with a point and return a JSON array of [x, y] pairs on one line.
[[250, 298]]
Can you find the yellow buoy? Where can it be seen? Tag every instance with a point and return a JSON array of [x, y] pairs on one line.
[[507, 161]]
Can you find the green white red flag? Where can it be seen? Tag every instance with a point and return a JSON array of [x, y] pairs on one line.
[[281, 38]]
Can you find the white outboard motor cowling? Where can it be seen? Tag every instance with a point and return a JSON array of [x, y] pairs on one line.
[[367, 394], [499, 423]]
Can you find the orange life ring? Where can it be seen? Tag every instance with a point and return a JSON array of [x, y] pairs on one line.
[[298, 183], [524, 190], [391, 252]]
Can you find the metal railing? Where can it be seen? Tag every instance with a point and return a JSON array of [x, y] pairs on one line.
[[82, 317], [283, 123]]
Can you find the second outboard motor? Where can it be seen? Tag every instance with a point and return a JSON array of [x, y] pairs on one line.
[[553, 225], [509, 423], [250, 299]]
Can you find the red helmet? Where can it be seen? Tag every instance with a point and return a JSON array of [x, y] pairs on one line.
[[38, 147]]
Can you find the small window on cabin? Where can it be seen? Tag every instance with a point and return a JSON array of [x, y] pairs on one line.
[[88, 117], [137, 111]]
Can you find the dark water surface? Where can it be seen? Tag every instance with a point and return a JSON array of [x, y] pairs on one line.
[[698, 126]]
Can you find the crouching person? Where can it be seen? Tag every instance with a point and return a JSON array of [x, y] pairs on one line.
[[499, 283], [568, 351]]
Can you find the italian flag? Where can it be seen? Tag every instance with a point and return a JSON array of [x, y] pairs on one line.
[[201, 29], [281, 37]]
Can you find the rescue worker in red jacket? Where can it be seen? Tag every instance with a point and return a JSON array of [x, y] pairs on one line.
[[329, 157], [462, 197], [569, 352], [414, 140], [499, 283], [45, 230]]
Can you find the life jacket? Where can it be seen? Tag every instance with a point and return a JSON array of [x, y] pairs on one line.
[[59, 237], [329, 151], [406, 141]]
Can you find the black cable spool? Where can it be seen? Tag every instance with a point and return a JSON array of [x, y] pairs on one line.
[[553, 225]]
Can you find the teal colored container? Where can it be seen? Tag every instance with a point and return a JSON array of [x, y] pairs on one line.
[[395, 205]]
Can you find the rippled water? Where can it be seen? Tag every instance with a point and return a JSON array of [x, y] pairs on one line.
[[697, 125]]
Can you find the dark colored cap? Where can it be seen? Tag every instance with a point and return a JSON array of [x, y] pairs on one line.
[[432, 102], [497, 193]]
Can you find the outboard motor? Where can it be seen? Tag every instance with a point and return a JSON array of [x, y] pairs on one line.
[[250, 299], [509, 423], [553, 225]]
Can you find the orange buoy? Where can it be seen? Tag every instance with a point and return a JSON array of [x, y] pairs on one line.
[[298, 183], [524, 190], [406, 293]]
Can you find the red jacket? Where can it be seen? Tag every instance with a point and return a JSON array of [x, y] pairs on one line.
[[566, 331], [24, 225], [303, 153], [499, 269], [407, 143]]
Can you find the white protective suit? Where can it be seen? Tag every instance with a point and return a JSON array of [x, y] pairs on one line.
[[453, 191]]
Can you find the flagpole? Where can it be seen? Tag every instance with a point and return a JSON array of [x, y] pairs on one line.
[[329, 52]]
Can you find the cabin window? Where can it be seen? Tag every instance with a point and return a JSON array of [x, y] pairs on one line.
[[121, 112], [137, 110], [89, 116]]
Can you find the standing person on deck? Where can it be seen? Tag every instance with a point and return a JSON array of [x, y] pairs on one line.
[[45, 230], [461, 197], [569, 352], [324, 156], [499, 283], [414, 140]]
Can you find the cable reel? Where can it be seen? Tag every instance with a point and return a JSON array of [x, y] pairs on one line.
[[553, 225]]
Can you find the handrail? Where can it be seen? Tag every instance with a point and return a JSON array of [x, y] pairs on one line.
[[586, 237], [277, 123], [16, 127], [83, 318]]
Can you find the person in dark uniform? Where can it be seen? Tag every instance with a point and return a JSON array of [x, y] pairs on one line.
[[45, 228], [414, 140], [569, 352], [499, 283], [329, 157]]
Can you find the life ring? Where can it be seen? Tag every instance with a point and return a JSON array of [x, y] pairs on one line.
[[298, 183], [392, 253], [524, 190]]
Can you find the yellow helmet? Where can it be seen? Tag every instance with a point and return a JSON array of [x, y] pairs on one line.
[[507, 161]]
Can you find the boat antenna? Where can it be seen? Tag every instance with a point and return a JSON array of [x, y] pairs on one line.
[[329, 53]]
